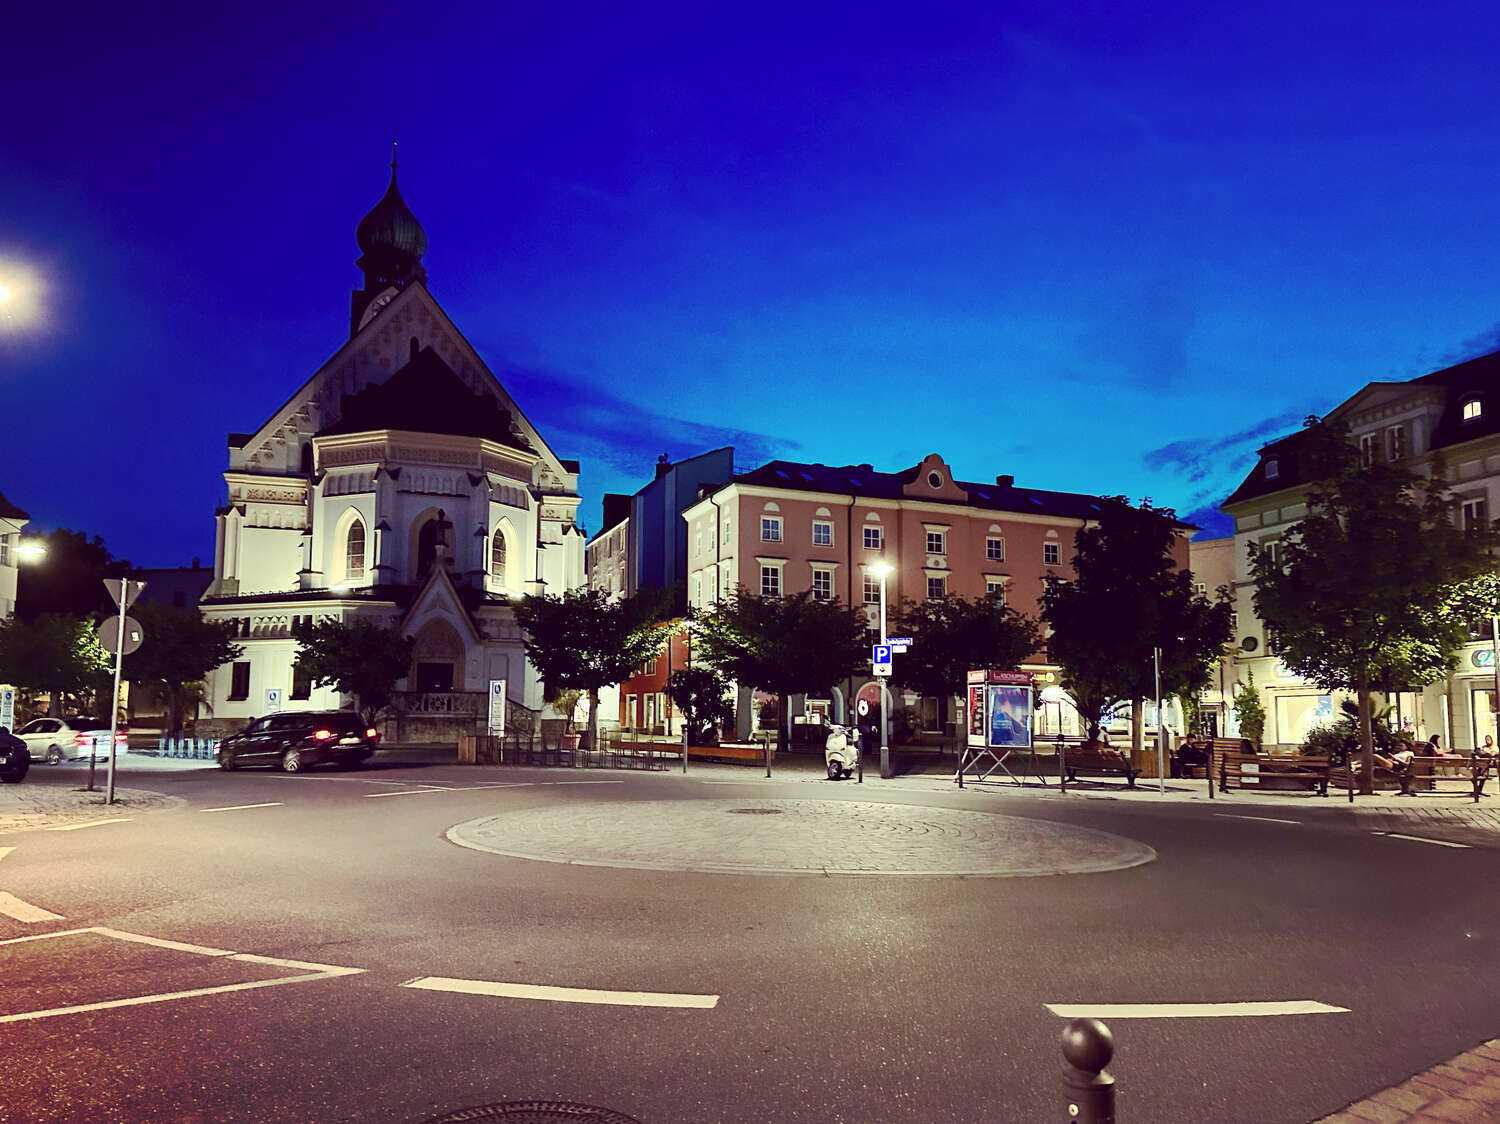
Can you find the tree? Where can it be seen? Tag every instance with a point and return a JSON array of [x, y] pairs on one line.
[[71, 580], [57, 654], [360, 658], [1127, 597], [1249, 712], [585, 640], [180, 648], [1373, 585], [789, 645], [951, 635], [699, 693]]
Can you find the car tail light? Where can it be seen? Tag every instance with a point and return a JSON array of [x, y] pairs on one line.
[[373, 734], [322, 735], [81, 740]]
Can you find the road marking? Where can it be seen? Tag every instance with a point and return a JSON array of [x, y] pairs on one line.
[[91, 823], [405, 792], [246, 807], [345, 780], [311, 973], [1191, 1010], [1258, 819], [562, 994], [1419, 839], [5, 851], [12, 906]]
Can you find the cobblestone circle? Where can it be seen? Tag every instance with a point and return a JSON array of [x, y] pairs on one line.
[[798, 837], [28, 807]]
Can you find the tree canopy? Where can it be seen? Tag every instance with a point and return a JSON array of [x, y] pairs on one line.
[[783, 645], [700, 693], [360, 658], [1127, 596], [1374, 585], [70, 582], [586, 640], [57, 654], [180, 648], [952, 635]]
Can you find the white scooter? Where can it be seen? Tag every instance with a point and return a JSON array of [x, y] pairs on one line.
[[841, 752]]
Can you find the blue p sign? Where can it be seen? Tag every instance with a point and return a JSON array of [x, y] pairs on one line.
[[882, 653]]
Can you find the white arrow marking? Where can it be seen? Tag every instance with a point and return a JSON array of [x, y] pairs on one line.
[[12, 906], [562, 994]]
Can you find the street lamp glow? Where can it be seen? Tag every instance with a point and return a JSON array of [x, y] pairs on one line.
[[882, 569], [1054, 694], [31, 551], [20, 297]]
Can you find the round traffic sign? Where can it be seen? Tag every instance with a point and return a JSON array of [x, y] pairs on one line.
[[863, 707], [134, 634]]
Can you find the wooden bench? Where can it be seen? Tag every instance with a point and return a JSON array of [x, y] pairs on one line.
[[1305, 769], [1423, 773], [1106, 764]]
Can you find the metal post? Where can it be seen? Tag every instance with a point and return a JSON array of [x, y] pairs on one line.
[[1088, 1046], [1161, 728], [1495, 663], [114, 699], [885, 695]]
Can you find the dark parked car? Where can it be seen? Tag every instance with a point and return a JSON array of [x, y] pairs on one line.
[[294, 741], [15, 758]]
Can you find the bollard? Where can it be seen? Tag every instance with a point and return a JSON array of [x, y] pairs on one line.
[[1088, 1046]]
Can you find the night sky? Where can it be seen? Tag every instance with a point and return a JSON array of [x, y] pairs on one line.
[[1104, 247]]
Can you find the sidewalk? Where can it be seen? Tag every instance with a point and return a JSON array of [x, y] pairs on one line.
[[1463, 1088], [30, 807]]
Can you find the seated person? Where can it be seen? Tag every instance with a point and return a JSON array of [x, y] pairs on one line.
[[1488, 748]]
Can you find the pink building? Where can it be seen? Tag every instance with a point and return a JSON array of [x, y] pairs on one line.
[[788, 527]]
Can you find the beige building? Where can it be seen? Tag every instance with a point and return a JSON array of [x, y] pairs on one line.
[[1449, 421], [12, 520], [1212, 563]]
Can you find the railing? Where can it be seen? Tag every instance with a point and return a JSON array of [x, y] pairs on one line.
[[195, 749], [463, 704]]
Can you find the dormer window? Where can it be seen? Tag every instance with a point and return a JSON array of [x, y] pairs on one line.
[[1273, 469], [1473, 408]]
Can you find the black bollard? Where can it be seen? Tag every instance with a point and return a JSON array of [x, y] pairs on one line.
[[1088, 1046]]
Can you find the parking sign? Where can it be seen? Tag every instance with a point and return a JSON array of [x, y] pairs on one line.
[[880, 660]]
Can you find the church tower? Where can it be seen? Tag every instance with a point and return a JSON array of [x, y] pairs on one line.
[[391, 243]]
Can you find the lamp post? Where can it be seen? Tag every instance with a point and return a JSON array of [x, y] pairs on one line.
[[1161, 727], [883, 570]]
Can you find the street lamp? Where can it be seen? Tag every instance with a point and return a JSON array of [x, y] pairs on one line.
[[19, 290], [882, 570], [31, 551]]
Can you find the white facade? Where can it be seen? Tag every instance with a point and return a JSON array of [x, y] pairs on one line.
[[431, 532], [12, 520]]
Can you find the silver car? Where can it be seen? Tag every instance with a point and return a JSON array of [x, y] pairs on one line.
[[55, 740]]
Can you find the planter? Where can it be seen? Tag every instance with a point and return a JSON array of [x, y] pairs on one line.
[[571, 741]]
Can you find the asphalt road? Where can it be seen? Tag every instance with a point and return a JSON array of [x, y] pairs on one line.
[[840, 998]]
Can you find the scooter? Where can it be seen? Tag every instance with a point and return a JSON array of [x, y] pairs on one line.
[[841, 752]]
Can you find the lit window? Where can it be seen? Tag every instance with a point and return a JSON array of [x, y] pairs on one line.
[[937, 588], [1473, 408], [354, 551], [822, 587], [1273, 469], [1476, 514], [1051, 554], [1368, 443], [874, 538], [872, 590], [937, 542], [5, 549], [822, 534], [994, 548], [497, 555], [770, 528], [770, 581]]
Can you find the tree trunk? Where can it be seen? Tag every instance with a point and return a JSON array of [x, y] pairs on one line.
[[174, 709], [593, 730], [783, 721], [1137, 727], [1366, 739], [942, 701]]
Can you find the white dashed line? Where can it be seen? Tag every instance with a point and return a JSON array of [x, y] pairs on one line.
[[90, 823], [1258, 819], [15, 908], [1191, 1010], [1419, 839], [562, 994], [246, 807]]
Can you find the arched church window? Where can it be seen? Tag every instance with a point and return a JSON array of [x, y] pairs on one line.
[[354, 551], [497, 555], [427, 540]]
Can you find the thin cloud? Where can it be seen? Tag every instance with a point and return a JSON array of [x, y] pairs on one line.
[[1198, 459]]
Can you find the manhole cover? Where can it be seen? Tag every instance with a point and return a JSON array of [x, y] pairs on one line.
[[755, 811], [538, 1112]]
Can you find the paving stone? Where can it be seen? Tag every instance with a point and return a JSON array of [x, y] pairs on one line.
[[789, 836]]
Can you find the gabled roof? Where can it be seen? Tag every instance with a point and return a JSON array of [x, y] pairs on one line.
[[426, 396], [9, 510], [863, 480]]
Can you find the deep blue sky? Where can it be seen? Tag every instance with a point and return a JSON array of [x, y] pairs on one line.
[[1104, 247]]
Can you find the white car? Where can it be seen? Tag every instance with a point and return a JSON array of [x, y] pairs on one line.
[[55, 740]]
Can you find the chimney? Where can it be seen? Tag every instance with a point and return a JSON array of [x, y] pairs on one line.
[[1006, 480], [663, 465], [197, 564]]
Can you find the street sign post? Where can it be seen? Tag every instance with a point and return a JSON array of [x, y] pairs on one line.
[[898, 644], [127, 635], [273, 699], [7, 708], [497, 708]]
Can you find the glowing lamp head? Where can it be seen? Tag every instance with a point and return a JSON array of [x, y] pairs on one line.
[[31, 551], [20, 297], [1054, 694], [882, 569]]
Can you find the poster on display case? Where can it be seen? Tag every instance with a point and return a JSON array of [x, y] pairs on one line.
[[1010, 714]]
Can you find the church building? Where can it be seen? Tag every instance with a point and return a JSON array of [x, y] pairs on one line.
[[400, 484]]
